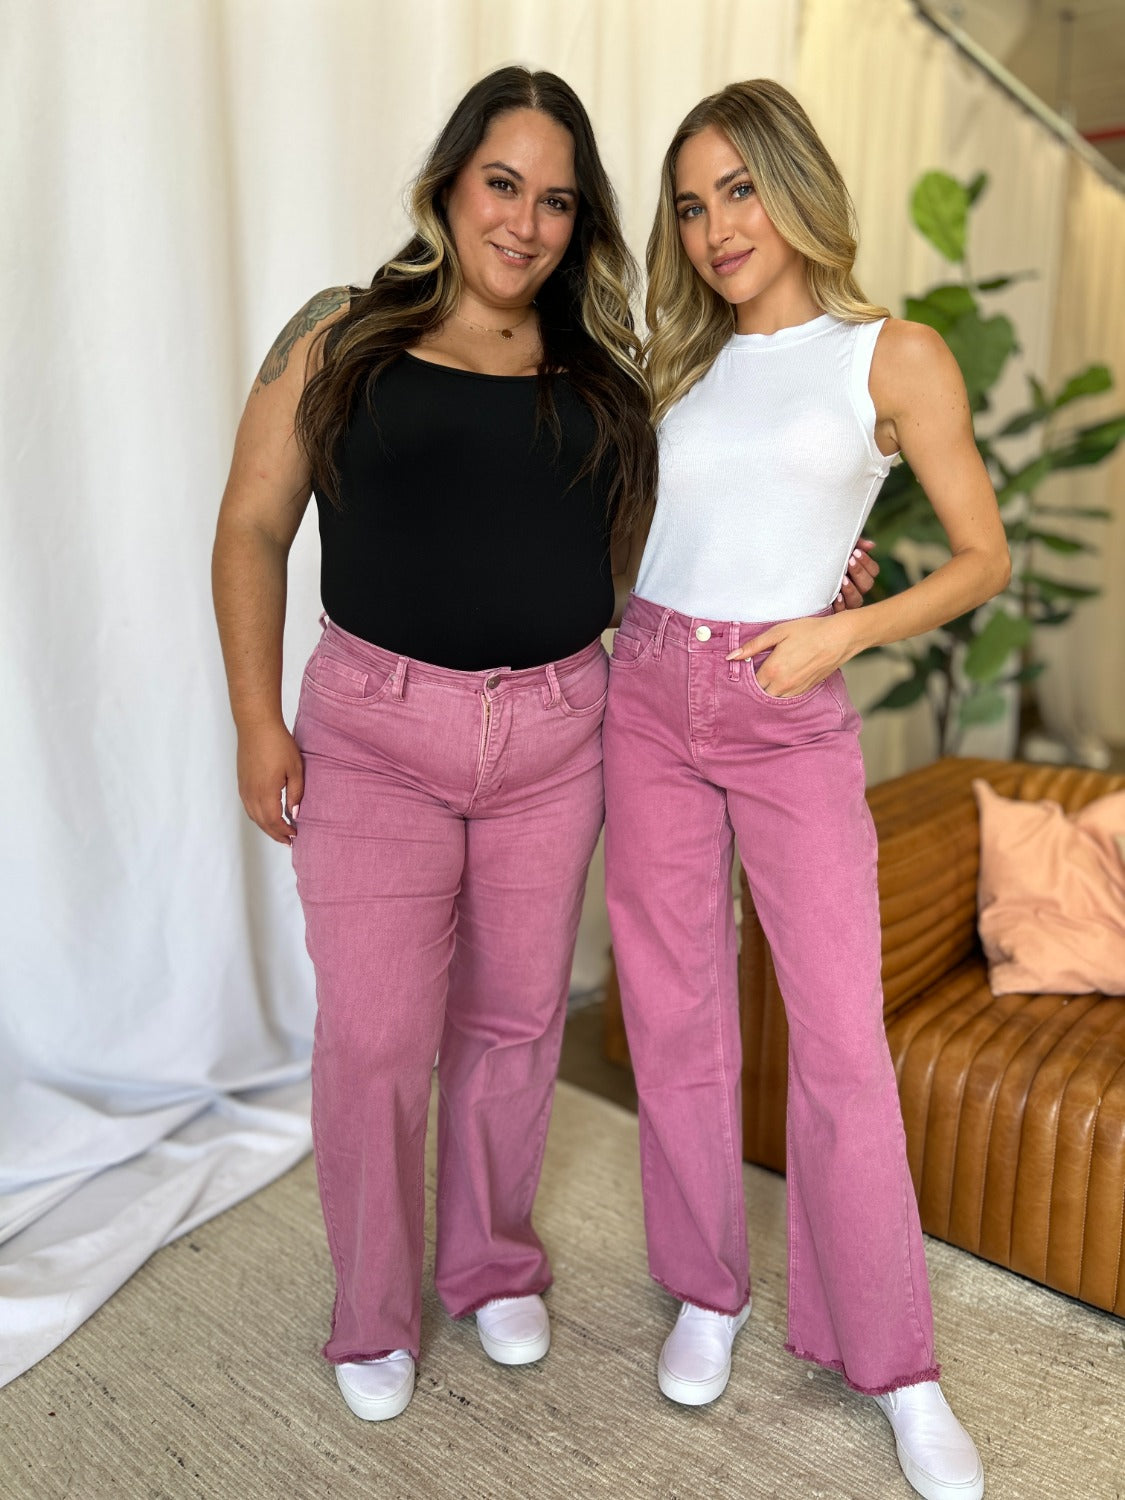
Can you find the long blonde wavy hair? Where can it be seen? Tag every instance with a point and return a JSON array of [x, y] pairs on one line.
[[585, 318], [805, 198]]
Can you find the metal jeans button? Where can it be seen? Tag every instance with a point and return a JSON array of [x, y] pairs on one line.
[[703, 632], [493, 681]]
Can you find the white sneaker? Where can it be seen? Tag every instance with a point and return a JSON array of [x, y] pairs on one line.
[[514, 1330], [376, 1389], [936, 1454], [694, 1364]]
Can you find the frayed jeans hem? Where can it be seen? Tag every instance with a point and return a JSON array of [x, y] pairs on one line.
[[706, 1306], [363, 1357], [933, 1373], [475, 1307]]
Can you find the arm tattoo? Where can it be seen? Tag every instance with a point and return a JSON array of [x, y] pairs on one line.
[[299, 324]]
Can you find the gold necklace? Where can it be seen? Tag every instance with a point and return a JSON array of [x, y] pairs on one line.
[[505, 333]]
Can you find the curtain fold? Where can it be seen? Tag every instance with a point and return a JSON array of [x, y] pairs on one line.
[[178, 179], [1081, 694]]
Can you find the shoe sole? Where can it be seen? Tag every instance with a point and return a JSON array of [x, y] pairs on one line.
[[691, 1392], [525, 1353], [377, 1408], [937, 1489], [697, 1392]]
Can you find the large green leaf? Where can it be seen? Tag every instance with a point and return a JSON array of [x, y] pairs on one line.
[[981, 347], [941, 306], [1079, 512], [899, 481], [953, 298], [1066, 545], [911, 689], [1003, 634], [1043, 616], [893, 577], [936, 659], [1091, 382], [1024, 480], [982, 708], [1026, 531], [1029, 673], [1023, 422], [997, 283], [918, 310], [961, 629], [1089, 445], [999, 651], [902, 695], [902, 512], [940, 208], [1053, 589]]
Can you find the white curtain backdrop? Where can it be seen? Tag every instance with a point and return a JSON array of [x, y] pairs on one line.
[[1084, 692], [178, 177]]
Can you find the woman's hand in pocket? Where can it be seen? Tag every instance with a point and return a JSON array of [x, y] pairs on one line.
[[802, 653]]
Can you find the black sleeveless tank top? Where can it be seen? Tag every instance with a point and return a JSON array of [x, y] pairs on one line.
[[463, 537]]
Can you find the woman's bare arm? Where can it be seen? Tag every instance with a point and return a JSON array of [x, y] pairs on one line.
[[922, 409], [265, 498]]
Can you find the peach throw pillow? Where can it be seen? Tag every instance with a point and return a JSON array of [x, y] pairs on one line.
[[1051, 895]]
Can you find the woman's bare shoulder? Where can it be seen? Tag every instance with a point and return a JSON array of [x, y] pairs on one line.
[[318, 313], [912, 359], [910, 343]]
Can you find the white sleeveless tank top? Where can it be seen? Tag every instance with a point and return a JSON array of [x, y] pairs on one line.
[[768, 470]]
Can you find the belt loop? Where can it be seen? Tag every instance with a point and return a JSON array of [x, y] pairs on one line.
[[733, 643], [399, 679], [661, 628], [552, 685], [324, 620]]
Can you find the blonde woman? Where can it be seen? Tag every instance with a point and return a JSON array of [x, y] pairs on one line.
[[476, 430], [781, 396]]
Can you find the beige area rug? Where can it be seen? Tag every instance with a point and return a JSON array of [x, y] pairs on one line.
[[201, 1377]]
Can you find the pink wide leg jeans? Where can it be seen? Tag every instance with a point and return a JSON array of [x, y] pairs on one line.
[[696, 755], [444, 834]]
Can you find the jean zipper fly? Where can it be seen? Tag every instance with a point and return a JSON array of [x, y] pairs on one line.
[[482, 753]]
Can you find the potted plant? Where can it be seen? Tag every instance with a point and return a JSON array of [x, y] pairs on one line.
[[966, 670]]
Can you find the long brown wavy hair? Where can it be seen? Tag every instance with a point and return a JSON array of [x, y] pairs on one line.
[[585, 316], [807, 202]]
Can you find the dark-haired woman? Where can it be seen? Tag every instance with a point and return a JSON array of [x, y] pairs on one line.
[[475, 429], [782, 396]]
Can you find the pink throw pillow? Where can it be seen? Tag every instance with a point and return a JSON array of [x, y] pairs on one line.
[[1051, 895]]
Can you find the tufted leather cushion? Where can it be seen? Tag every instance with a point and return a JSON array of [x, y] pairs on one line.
[[1015, 1125]]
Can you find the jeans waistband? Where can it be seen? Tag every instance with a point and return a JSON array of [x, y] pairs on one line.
[[493, 680], [696, 632]]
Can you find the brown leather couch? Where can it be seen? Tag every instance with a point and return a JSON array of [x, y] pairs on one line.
[[1014, 1105]]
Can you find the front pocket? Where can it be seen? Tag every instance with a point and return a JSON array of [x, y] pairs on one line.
[[583, 690], [631, 650], [330, 678], [760, 692]]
